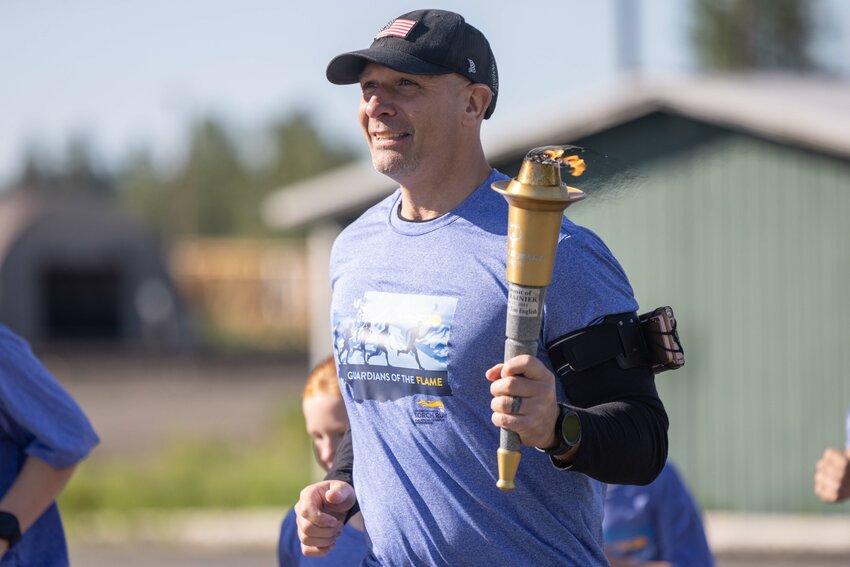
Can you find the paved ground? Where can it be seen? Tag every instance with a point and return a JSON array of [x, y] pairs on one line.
[[136, 555], [171, 556], [782, 560], [135, 401]]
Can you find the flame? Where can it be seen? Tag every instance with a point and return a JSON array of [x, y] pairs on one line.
[[555, 155], [577, 165], [434, 404]]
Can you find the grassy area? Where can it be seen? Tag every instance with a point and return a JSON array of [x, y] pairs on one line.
[[200, 473]]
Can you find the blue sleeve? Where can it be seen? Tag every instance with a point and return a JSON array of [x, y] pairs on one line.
[[37, 413], [587, 284], [624, 424], [287, 555], [350, 549], [681, 537]]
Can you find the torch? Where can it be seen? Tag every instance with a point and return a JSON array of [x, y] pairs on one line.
[[537, 199]]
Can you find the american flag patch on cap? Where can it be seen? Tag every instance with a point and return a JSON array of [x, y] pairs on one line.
[[396, 28]]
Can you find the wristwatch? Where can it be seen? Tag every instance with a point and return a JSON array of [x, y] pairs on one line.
[[567, 431], [10, 529]]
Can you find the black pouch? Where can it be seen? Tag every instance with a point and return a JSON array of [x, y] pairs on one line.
[[650, 339], [662, 339]]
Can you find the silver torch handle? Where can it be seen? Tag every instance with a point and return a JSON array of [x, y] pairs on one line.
[[522, 329], [536, 202]]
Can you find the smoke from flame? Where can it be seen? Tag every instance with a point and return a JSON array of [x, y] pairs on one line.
[[555, 155], [602, 175]]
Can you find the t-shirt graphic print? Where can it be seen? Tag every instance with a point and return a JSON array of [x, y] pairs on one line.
[[395, 345]]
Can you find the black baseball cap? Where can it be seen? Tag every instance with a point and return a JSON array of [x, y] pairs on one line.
[[424, 42]]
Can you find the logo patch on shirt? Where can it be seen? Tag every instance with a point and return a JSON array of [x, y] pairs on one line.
[[634, 541], [428, 411]]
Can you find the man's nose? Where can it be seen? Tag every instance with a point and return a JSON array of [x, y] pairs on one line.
[[379, 104]]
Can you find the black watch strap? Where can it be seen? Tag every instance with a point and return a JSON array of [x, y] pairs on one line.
[[564, 444], [10, 529]]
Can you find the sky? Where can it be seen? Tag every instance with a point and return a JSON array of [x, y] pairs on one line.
[[128, 74]]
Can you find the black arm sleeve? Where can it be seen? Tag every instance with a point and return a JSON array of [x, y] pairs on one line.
[[623, 423], [343, 467]]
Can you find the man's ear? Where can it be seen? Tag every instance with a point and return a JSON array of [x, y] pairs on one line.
[[479, 97]]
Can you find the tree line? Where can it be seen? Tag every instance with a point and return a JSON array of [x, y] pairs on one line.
[[213, 190]]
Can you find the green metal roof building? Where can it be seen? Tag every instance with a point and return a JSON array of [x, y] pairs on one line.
[[741, 221], [738, 216]]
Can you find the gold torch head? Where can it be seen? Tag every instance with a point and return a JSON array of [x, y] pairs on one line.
[[538, 185], [538, 173], [537, 199]]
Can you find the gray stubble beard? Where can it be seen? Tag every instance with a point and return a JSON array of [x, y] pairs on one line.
[[395, 165]]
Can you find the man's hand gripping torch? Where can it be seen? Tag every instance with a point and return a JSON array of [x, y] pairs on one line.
[[537, 199]]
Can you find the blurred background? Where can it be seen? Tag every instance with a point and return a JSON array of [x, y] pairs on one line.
[[172, 176]]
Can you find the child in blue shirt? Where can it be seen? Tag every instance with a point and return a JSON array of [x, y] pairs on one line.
[[43, 436], [326, 421], [658, 524]]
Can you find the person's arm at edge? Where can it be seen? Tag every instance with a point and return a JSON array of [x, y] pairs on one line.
[[832, 476], [35, 488]]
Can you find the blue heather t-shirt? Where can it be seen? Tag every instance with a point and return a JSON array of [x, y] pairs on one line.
[[37, 418], [349, 550], [418, 315], [656, 522]]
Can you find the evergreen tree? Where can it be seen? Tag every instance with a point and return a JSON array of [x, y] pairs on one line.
[[210, 190], [35, 170], [740, 35], [300, 151], [142, 188], [75, 175], [80, 174]]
